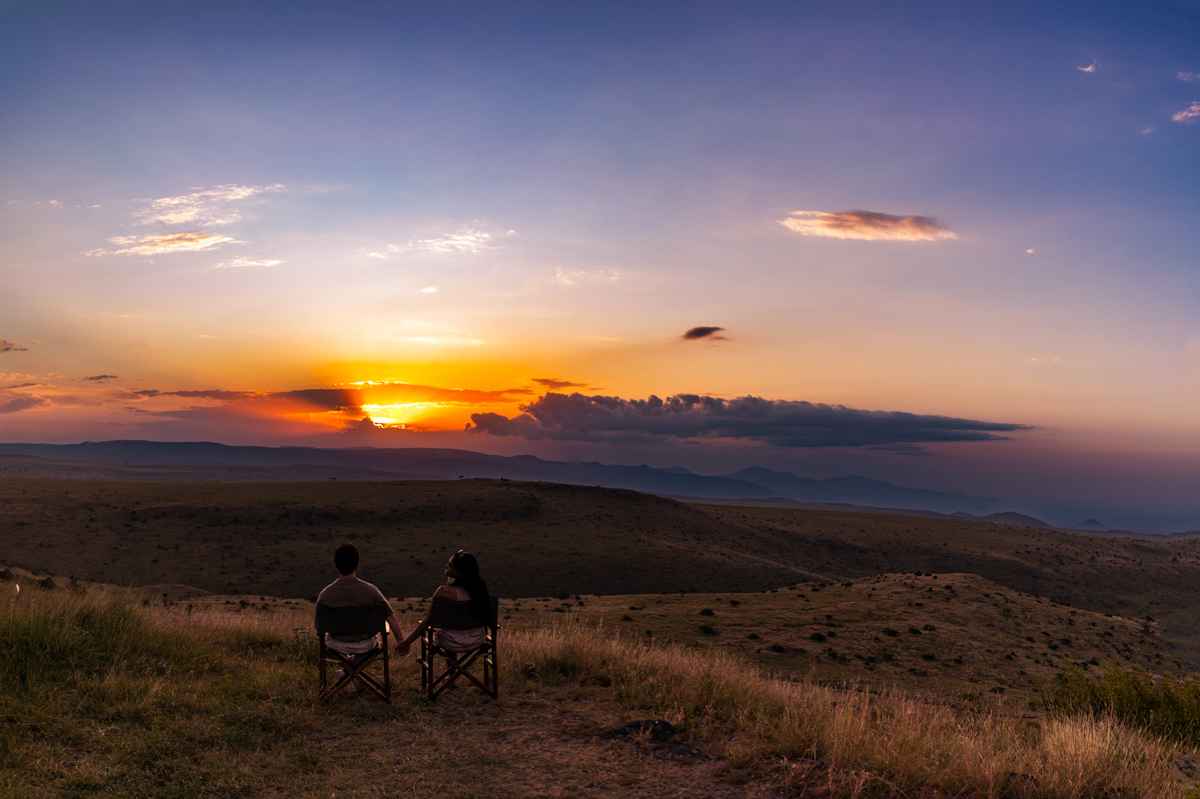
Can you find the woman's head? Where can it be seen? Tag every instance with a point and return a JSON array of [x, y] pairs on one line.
[[462, 564], [463, 569]]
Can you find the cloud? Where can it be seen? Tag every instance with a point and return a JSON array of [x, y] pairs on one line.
[[20, 402], [583, 276], [211, 394], [778, 423], [11, 346], [188, 241], [350, 399], [238, 263], [101, 378], [1188, 76], [466, 240], [1187, 115], [201, 207], [867, 225], [1091, 68], [703, 332], [429, 290], [555, 383]]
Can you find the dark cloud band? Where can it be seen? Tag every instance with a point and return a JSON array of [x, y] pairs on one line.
[[779, 423]]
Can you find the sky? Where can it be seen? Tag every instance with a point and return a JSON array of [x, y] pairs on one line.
[[950, 245]]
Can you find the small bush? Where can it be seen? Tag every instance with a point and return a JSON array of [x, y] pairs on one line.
[[753, 636], [708, 630], [818, 637], [890, 633], [777, 648], [707, 612], [1170, 707]]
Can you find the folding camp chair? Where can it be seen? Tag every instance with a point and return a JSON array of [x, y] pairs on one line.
[[448, 615], [355, 621]]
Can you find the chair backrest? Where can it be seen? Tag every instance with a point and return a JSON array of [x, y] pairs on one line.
[[447, 614], [361, 620]]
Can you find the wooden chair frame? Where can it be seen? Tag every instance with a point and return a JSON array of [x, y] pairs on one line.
[[448, 615], [355, 621]]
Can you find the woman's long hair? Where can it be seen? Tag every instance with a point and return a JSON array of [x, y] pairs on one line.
[[480, 605]]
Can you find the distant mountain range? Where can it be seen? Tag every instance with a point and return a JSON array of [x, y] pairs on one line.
[[403, 464]]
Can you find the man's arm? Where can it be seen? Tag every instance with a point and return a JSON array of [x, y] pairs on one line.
[[394, 625]]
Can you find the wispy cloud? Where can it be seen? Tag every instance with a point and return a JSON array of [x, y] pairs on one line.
[[429, 290], [703, 332], [866, 225], [201, 207], [554, 383], [14, 403], [599, 276], [101, 378], [1187, 115], [1188, 76], [779, 423], [239, 263], [465, 240], [188, 241], [1095, 65], [12, 346]]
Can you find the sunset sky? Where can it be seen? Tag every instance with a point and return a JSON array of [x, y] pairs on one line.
[[950, 245]]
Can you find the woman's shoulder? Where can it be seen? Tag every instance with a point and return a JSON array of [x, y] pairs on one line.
[[445, 592]]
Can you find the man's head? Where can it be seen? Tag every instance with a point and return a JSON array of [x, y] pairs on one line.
[[346, 559]]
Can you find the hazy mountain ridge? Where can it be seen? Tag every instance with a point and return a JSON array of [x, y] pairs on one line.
[[751, 483]]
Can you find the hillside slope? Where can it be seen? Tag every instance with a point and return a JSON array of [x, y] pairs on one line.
[[539, 539]]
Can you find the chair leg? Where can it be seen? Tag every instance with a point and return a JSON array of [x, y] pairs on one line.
[[356, 672], [387, 674]]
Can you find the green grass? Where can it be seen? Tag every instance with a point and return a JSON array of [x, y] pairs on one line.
[[99, 699]]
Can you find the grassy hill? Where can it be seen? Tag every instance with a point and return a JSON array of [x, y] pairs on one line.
[[544, 539]]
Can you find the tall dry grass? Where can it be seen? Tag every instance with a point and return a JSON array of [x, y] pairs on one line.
[[168, 680], [902, 742]]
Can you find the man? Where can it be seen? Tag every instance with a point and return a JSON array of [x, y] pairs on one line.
[[347, 591]]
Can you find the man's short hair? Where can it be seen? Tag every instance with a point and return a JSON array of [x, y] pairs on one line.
[[346, 559]]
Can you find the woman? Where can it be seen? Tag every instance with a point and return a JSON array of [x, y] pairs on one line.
[[463, 584]]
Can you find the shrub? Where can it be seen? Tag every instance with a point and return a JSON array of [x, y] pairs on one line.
[[707, 612], [1170, 707]]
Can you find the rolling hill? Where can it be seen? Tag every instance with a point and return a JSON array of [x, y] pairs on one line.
[[545, 539]]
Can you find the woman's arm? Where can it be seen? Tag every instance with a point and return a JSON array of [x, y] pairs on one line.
[[443, 592]]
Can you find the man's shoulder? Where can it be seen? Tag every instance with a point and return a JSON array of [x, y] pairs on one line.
[[350, 593]]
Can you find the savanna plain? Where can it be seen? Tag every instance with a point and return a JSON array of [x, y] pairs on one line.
[[161, 645]]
